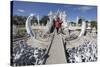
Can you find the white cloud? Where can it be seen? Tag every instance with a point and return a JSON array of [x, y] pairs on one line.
[[21, 10], [85, 8]]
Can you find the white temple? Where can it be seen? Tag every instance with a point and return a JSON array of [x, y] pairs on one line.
[[53, 15], [78, 47]]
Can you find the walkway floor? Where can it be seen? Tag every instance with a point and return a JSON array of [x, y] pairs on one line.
[[56, 54]]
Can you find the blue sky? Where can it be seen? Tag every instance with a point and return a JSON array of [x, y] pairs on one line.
[[72, 11]]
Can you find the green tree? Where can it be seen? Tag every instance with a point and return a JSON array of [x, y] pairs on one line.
[[19, 20], [73, 23], [80, 21], [94, 24], [44, 20], [34, 20]]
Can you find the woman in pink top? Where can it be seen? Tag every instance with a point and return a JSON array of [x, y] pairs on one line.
[[57, 24]]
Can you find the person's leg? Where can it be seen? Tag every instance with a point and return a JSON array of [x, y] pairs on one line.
[[57, 30]]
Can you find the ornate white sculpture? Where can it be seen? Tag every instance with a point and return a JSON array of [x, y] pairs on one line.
[[83, 28], [77, 19], [52, 16], [50, 21], [36, 42], [38, 20], [65, 23], [28, 25]]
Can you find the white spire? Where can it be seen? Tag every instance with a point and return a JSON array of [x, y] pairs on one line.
[[38, 19], [50, 13], [77, 19]]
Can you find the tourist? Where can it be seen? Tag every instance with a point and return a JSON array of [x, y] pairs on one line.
[[57, 24]]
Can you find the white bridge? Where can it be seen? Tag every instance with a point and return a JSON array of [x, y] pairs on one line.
[[57, 51]]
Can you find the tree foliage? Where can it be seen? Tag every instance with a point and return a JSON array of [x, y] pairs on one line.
[[94, 24], [80, 21], [73, 23], [20, 20], [44, 20]]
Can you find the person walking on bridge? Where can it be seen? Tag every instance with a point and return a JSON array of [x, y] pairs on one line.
[[57, 24]]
